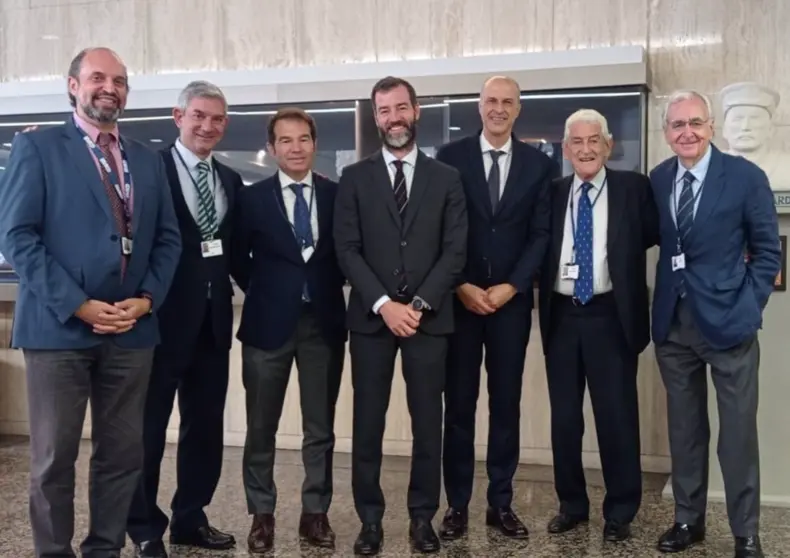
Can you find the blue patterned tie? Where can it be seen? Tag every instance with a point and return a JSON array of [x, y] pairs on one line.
[[583, 288], [685, 218], [302, 226]]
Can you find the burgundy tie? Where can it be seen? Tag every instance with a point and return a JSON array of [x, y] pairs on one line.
[[104, 143]]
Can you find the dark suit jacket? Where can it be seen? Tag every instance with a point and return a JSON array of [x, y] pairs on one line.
[[736, 214], [183, 311], [507, 246], [273, 277], [58, 232], [375, 246], [632, 228]]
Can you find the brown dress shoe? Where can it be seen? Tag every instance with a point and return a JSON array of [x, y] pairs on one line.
[[261, 537], [314, 529]]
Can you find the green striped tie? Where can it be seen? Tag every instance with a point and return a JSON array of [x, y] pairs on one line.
[[207, 213]]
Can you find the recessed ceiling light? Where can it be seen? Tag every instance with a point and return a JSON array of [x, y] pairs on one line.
[[6, 145], [155, 140], [454, 128]]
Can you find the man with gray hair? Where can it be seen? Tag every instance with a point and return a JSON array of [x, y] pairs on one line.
[[197, 322], [707, 309], [595, 321]]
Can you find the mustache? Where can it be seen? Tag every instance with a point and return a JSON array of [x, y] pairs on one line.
[[112, 96]]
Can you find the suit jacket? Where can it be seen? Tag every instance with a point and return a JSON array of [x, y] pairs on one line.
[[632, 228], [736, 214], [57, 231], [506, 246], [375, 246], [273, 277], [198, 281]]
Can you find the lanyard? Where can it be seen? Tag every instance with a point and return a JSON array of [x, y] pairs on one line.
[[213, 192], [675, 203], [125, 195], [302, 241], [574, 219]]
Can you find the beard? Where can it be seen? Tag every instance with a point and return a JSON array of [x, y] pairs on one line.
[[400, 140], [100, 114]]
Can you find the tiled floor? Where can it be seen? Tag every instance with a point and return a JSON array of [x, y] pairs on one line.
[[535, 502]]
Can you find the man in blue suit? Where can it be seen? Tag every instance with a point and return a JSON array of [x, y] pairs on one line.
[[87, 221], [294, 309], [720, 255]]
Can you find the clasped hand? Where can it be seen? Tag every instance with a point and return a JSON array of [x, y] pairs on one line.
[[402, 319], [485, 301], [113, 318]]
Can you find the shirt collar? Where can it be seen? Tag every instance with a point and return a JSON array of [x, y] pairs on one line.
[[286, 181], [91, 129], [597, 181], [410, 158], [485, 145], [190, 159], [699, 170]]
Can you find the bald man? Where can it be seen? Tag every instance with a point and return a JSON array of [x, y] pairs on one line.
[[507, 190]]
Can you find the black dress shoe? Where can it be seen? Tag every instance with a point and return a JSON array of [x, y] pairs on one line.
[[454, 524], [563, 522], [422, 536], [369, 540], [614, 531], [748, 547], [506, 522], [150, 549], [204, 537], [681, 537]]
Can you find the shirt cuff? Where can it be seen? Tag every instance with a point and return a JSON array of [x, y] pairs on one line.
[[379, 303]]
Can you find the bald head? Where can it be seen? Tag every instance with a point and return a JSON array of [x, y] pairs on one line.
[[500, 105], [501, 82], [98, 85]]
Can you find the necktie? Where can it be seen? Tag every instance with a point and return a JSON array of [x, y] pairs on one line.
[[401, 197], [104, 141], [493, 178], [583, 242], [206, 211], [302, 227], [685, 218]]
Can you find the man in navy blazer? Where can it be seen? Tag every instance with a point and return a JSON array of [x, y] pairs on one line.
[[87, 222], [720, 255], [294, 309], [507, 189]]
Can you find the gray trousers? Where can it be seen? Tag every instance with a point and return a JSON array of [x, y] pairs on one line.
[[265, 375], [59, 385], [683, 359]]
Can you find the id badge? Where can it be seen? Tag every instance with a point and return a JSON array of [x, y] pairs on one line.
[[307, 252], [570, 271], [678, 262], [211, 248], [126, 246]]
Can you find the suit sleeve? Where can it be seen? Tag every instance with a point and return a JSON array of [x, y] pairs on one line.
[[528, 265], [347, 233], [22, 200], [445, 156], [443, 277], [763, 245], [166, 250], [240, 259], [649, 213]]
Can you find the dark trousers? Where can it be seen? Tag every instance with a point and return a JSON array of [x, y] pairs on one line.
[[683, 360], [59, 386], [372, 368], [504, 335], [202, 384], [265, 375], [588, 346]]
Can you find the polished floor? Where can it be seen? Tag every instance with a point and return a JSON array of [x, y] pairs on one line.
[[535, 502]]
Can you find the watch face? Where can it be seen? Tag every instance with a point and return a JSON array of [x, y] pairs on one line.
[[417, 304]]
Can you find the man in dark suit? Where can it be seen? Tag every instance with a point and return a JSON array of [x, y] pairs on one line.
[[707, 309], [293, 309], [87, 222], [193, 358], [507, 189], [595, 320], [400, 230]]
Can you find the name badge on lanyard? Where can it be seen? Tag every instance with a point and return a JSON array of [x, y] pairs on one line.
[[679, 259], [570, 270]]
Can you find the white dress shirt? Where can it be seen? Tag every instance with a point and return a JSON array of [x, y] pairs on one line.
[[188, 187], [700, 171], [289, 198], [503, 161], [602, 282]]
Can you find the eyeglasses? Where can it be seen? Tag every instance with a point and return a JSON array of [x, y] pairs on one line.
[[694, 124]]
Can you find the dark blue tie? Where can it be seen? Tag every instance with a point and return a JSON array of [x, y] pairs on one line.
[[583, 288], [685, 219], [302, 227]]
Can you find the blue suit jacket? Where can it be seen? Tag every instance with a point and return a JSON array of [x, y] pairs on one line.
[[57, 231], [736, 215]]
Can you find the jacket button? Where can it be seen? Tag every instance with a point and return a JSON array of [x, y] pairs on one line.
[[403, 243], [396, 272], [114, 238]]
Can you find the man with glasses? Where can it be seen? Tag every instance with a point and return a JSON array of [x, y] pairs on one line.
[[707, 310]]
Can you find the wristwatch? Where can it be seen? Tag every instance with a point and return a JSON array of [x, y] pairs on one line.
[[419, 304], [150, 299]]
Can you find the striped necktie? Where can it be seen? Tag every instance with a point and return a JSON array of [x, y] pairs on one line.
[[207, 211]]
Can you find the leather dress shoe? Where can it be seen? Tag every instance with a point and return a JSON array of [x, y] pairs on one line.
[[150, 549], [454, 524], [314, 529], [422, 536], [506, 522], [206, 537], [261, 537], [614, 531], [563, 522], [681, 537], [369, 540], [748, 547]]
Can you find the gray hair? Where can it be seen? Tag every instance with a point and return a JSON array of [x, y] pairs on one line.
[[587, 115], [200, 90], [685, 95]]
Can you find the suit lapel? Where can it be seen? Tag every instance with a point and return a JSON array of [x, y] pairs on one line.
[[382, 181], [178, 194], [513, 175], [558, 219], [616, 200], [82, 158], [323, 210], [283, 225], [419, 185], [712, 188], [227, 185], [479, 186]]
